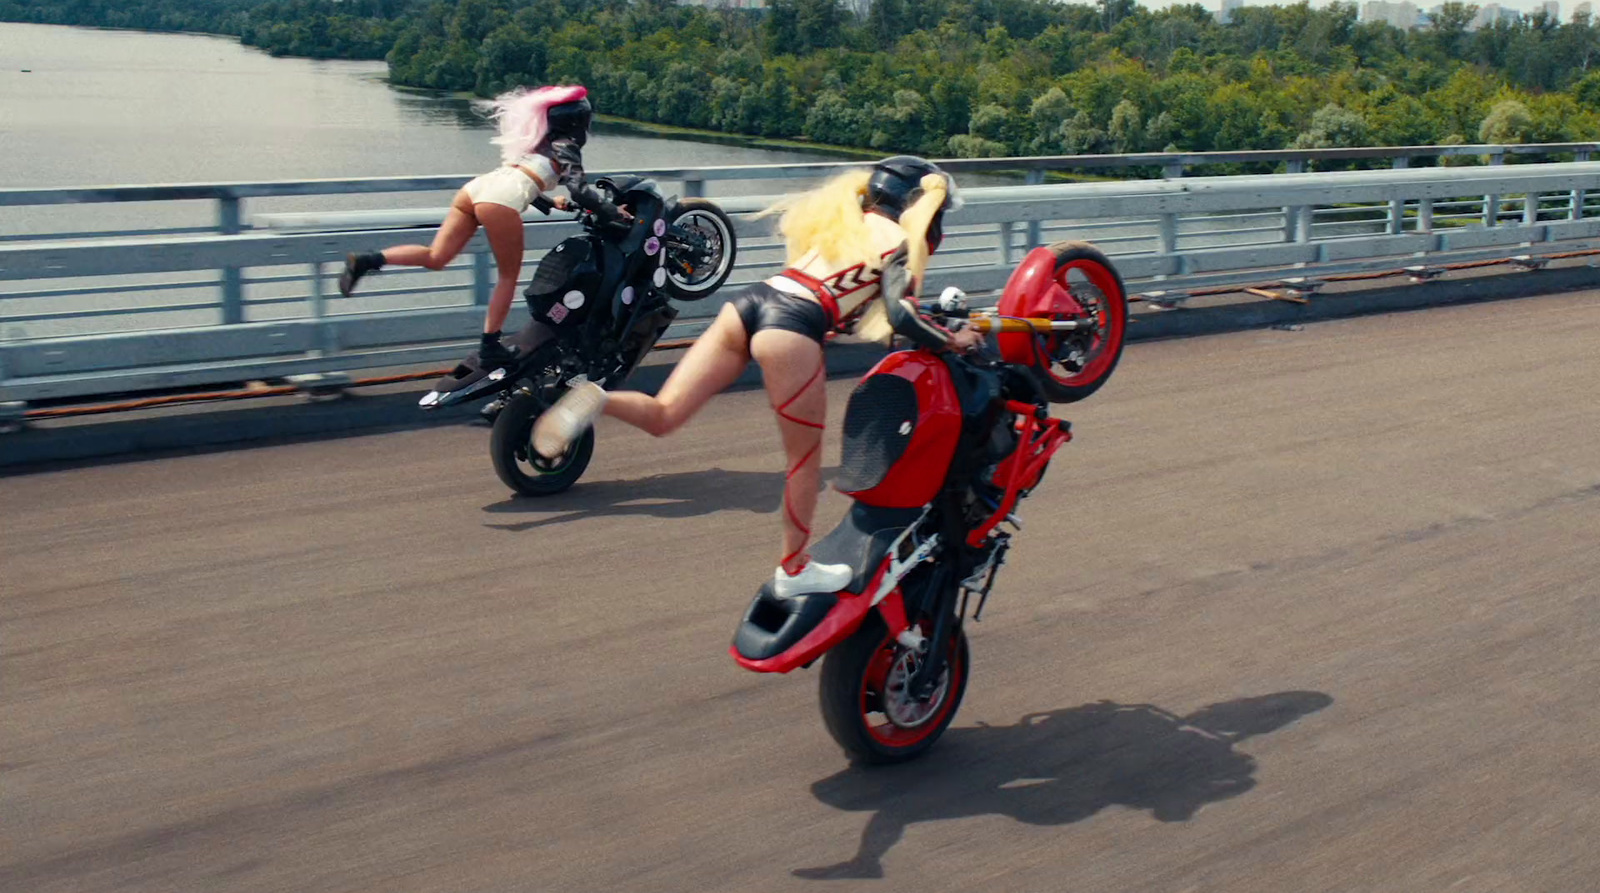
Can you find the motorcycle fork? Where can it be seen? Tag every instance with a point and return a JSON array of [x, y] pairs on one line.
[[946, 591]]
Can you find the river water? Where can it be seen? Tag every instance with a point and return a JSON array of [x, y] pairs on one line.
[[85, 107]]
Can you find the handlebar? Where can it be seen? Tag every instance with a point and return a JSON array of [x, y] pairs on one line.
[[988, 324]]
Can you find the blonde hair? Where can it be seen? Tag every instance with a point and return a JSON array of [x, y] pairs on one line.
[[829, 221], [874, 324]]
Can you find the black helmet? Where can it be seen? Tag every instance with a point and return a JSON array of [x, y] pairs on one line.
[[570, 120], [896, 183]]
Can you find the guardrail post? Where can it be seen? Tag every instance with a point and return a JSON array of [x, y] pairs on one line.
[[1172, 170], [1579, 197], [1530, 209], [1425, 215], [319, 310], [1035, 237], [1007, 250], [1397, 206], [480, 278], [1168, 234], [1291, 215], [229, 223], [1302, 229], [693, 187], [1491, 203]]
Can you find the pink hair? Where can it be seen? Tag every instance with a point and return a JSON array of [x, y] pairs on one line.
[[523, 117]]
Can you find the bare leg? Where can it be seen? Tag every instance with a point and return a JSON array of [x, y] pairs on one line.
[[715, 360], [504, 228], [458, 227], [792, 368]]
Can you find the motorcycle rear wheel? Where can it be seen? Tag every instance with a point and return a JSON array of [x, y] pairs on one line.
[[517, 464], [862, 696]]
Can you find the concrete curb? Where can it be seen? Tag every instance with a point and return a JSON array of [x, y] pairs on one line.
[[266, 421]]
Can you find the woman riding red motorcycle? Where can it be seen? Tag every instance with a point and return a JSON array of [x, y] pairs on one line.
[[840, 237]]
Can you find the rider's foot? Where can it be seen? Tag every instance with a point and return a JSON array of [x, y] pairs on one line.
[[566, 421], [356, 266], [492, 353], [813, 577]]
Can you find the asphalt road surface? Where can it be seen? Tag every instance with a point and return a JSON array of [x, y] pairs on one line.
[[1300, 611]]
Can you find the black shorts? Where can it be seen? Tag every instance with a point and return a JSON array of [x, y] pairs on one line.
[[763, 307]]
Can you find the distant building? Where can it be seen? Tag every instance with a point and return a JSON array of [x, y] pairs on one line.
[[1552, 10], [1585, 10], [1225, 14], [1491, 13], [1402, 15]]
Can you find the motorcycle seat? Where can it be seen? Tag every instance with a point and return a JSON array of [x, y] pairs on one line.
[[861, 539]]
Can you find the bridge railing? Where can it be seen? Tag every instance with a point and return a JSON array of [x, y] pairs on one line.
[[103, 315]]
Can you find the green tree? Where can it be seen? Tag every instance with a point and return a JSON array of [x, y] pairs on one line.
[[1333, 127], [1507, 122]]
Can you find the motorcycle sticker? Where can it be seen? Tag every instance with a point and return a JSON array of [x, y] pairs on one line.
[[573, 299], [627, 296], [659, 227], [558, 312], [652, 245]]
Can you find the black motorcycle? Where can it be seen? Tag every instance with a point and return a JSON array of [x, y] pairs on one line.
[[599, 303]]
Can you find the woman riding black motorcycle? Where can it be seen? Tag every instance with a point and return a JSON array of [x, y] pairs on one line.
[[542, 133]]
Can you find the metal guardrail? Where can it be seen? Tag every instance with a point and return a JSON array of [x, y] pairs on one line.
[[283, 319]]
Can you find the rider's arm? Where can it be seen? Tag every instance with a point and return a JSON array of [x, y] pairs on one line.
[[569, 159], [900, 306]]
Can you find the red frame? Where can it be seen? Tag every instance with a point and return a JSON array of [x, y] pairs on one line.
[[1037, 441]]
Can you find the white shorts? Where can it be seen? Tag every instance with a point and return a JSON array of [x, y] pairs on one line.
[[503, 186]]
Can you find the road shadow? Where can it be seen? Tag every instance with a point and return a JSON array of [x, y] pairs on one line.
[[684, 494], [1060, 767]]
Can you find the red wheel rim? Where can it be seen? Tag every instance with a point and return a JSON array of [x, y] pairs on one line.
[[876, 678], [1111, 318]]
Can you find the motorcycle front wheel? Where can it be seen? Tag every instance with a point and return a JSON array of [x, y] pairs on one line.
[[1072, 366], [516, 462], [865, 703], [701, 249]]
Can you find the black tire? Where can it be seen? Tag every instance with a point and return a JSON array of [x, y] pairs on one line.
[[847, 699], [516, 463], [704, 220], [1085, 371]]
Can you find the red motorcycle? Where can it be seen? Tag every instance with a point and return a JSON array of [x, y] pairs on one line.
[[938, 449]]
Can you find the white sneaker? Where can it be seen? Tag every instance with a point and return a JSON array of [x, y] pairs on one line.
[[566, 421], [813, 577]]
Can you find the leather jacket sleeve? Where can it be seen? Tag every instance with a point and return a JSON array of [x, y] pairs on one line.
[[896, 294], [568, 157]]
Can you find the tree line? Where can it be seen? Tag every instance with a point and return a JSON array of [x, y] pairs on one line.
[[974, 78]]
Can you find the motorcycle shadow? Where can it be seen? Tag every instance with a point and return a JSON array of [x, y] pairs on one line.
[[685, 494], [1061, 767]]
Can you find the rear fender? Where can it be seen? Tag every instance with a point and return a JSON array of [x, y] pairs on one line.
[[839, 624]]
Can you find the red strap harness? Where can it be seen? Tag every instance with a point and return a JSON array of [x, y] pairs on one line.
[[818, 288]]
